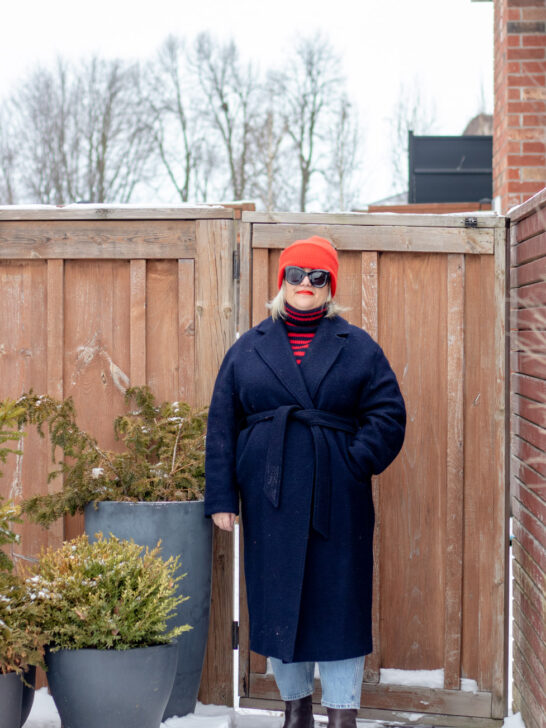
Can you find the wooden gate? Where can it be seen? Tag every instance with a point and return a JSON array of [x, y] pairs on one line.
[[96, 298], [431, 290]]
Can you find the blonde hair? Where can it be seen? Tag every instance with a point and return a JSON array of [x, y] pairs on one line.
[[277, 308]]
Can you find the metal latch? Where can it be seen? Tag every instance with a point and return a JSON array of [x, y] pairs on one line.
[[471, 222], [234, 635]]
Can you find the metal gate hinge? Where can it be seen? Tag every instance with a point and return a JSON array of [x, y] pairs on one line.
[[234, 635], [236, 265], [471, 222]]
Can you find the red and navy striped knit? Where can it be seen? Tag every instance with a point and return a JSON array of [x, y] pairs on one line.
[[301, 327]]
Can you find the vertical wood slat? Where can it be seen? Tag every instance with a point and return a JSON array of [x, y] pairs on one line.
[[214, 333], [455, 471], [260, 283], [137, 323], [501, 502], [186, 331], [245, 280], [370, 323], [55, 355]]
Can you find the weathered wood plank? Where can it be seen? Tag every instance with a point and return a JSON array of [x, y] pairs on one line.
[[501, 487], [114, 212], [417, 718], [137, 323], [484, 219], [260, 284], [245, 272], [391, 238], [407, 698], [83, 239], [369, 313], [455, 472], [214, 333], [55, 346], [186, 331], [162, 328], [412, 332]]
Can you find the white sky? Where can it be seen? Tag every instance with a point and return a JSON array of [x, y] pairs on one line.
[[444, 46]]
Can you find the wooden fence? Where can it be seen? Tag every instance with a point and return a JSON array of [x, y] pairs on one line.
[[431, 289], [95, 298], [528, 465]]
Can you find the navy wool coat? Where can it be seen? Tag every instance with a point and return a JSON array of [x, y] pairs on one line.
[[298, 445]]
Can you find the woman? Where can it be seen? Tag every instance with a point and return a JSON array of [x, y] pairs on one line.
[[305, 410]]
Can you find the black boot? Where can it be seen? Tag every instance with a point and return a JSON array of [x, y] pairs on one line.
[[299, 713], [341, 717]]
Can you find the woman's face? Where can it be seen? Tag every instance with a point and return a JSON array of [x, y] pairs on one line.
[[305, 296]]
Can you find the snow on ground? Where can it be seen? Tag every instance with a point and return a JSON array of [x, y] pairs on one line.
[[44, 715]]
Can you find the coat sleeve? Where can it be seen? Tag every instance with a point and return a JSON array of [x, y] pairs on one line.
[[221, 493], [382, 420]]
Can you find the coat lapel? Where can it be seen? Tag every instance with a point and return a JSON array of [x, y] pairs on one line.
[[325, 348], [274, 349]]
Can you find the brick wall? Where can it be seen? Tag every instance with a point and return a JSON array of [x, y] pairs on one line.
[[528, 461], [519, 127]]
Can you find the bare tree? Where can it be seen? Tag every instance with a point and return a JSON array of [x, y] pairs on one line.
[[310, 86], [79, 132], [8, 161], [171, 105], [230, 91], [345, 148], [412, 112]]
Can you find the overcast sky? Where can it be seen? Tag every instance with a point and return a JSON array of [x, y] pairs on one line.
[[443, 46]]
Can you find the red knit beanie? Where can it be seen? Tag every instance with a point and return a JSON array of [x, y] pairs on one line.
[[313, 253]]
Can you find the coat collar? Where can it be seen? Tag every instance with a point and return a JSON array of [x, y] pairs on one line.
[[274, 349]]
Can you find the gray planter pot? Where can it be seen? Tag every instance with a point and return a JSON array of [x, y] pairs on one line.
[[112, 688], [28, 693], [11, 692], [183, 530]]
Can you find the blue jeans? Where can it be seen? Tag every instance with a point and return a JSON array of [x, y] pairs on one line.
[[341, 680]]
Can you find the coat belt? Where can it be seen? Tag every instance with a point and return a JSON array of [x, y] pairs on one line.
[[315, 419]]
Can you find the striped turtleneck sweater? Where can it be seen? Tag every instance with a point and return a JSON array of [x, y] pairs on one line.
[[301, 327]]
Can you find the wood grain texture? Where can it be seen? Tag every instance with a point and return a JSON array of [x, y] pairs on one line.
[[215, 319], [370, 322], [137, 323], [314, 219], [412, 332], [260, 284], [455, 471], [385, 717], [104, 212], [392, 238], [82, 239], [186, 331], [399, 698], [245, 282], [55, 346], [162, 330]]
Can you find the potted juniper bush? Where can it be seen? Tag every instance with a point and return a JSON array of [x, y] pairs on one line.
[[151, 489], [20, 640], [104, 606]]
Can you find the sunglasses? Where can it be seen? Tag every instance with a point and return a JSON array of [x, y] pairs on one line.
[[317, 278]]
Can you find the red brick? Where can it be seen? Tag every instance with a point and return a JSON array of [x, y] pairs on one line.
[[534, 120], [533, 66], [533, 41], [527, 133], [514, 94], [526, 3], [513, 41], [533, 13], [514, 121], [526, 160], [526, 80], [513, 66], [513, 147], [527, 189], [522, 107], [513, 14], [513, 53], [513, 172], [532, 147]]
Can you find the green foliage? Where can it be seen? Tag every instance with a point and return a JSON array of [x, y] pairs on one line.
[[21, 641], [9, 513], [10, 413], [163, 458], [110, 594]]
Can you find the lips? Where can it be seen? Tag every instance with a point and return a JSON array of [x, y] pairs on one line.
[[305, 293]]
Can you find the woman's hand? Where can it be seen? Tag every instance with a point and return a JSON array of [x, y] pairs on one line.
[[224, 521]]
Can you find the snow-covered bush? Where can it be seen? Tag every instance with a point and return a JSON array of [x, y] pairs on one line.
[[109, 594], [163, 457], [20, 640]]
